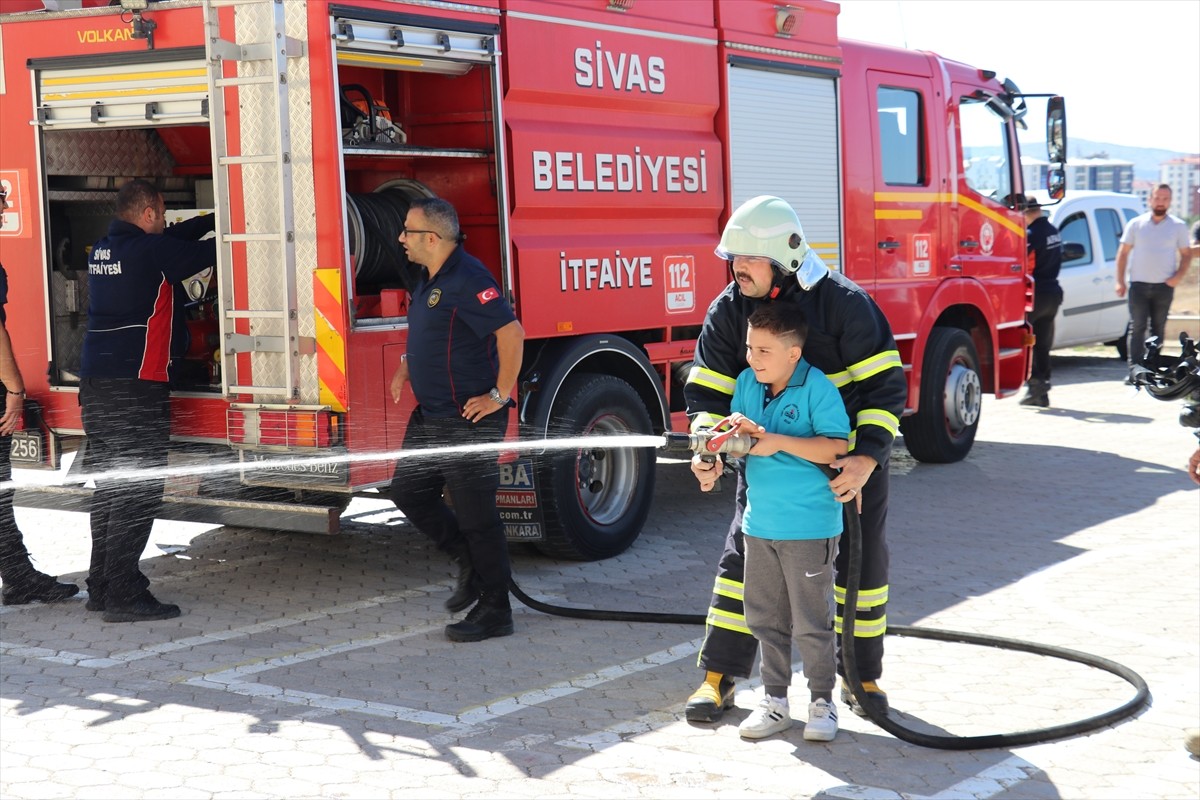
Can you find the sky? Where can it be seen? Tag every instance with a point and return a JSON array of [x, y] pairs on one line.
[[1129, 69]]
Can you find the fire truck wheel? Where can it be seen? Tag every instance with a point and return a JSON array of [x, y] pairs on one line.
[[595, 501], [943, 432]]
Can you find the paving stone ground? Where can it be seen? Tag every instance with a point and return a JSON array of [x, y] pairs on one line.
[[308, 667]]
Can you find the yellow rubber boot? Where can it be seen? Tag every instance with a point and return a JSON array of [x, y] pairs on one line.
[[875, 696], [709, 702]]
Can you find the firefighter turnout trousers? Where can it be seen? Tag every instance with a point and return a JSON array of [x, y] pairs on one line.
[[729, 647]]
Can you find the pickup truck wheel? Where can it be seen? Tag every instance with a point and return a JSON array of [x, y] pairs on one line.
[[595, 500], [943, 429], [1122, 344]]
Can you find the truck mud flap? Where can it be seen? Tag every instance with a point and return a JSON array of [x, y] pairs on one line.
[[236, 513]]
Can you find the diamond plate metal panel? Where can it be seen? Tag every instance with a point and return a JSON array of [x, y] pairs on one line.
[[118, 152], [254, 23]]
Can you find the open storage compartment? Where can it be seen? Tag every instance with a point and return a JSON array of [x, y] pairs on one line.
[[418, 110]]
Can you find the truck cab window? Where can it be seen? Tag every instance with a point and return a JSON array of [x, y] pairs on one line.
[[987, 167], [901, 138]]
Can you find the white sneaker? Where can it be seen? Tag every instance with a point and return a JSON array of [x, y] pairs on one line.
[[822, 722], [770, 717]]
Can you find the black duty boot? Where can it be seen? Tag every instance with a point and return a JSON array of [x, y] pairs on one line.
[[491, 616], [1037, 394], [97, 592], [465, 592], [144, 607], [36, 586]]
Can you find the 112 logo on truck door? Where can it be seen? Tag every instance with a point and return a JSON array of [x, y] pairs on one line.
[[922, 245], [680, 283]]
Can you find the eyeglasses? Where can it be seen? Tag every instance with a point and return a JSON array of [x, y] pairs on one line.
[[411, 231]]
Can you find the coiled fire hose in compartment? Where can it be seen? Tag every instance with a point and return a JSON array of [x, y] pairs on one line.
[[374, 221]]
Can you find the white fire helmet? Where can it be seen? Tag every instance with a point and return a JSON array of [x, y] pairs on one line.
[[767, 226]]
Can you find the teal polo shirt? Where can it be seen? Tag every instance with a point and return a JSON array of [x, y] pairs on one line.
[[788, 497]]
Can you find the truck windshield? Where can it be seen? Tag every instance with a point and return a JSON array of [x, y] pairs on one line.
[[984, 135]]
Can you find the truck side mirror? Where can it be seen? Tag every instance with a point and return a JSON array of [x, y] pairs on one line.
[[1056, 183], [1056, 129], [1073, 251]]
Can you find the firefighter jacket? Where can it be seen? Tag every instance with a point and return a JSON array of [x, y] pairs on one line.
[[849, 339], [132, 299]]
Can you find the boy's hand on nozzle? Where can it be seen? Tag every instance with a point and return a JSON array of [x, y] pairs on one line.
[[765, 444], [738, 423]]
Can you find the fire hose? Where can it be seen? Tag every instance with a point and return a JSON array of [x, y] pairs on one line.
[[707, 445]]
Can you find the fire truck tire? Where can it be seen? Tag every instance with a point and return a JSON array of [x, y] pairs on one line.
[[595, 501], [943, 429]]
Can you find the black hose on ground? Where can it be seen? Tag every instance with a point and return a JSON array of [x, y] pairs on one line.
[[853, 540]]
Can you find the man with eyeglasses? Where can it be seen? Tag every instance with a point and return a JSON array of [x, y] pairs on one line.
[[462, 360]]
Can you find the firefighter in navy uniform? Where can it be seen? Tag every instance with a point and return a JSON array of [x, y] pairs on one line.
[[850, 341], [123, 391], [22, 582], [463, 357]]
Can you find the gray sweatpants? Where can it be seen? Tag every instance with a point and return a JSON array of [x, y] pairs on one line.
[[789, 595]]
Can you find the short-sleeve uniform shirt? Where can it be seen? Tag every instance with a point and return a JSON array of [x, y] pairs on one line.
[[451, 349]]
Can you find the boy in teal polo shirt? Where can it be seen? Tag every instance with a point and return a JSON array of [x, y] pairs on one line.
[[792, 519]]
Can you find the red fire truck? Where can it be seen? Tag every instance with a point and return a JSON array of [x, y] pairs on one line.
[[593, 149]]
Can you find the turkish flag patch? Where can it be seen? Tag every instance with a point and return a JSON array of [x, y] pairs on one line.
[[487, 295]]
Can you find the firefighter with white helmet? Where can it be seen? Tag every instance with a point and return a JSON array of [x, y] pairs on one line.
[[851, 342]]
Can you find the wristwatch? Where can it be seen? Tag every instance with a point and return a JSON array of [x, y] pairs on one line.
[[497, 398]]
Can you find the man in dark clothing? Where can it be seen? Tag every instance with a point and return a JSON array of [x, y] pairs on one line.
[[123, 389], [1044, 242], [22, 583], [849, 339], [463, 357]]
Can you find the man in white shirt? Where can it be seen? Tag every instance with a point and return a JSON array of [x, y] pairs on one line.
[[1155, 250]]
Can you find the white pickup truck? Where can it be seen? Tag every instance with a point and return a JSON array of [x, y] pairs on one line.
[[1091, 312]]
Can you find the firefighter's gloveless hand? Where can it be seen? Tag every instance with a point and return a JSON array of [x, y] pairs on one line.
[[706, 472], [476, 408], [855, 470], [398, 380], [14, 407]]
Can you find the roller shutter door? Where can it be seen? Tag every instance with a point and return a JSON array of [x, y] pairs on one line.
[[783, 141], [122, 95]]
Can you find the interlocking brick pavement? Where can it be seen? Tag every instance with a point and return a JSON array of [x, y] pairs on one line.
[[309, 666]]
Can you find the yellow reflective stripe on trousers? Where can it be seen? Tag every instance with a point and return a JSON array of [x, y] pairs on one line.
[[703, 421], [863, 628], [728, 588], [888, 359], [712, 380], [880, 417], [730, 622], [867, 598]]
